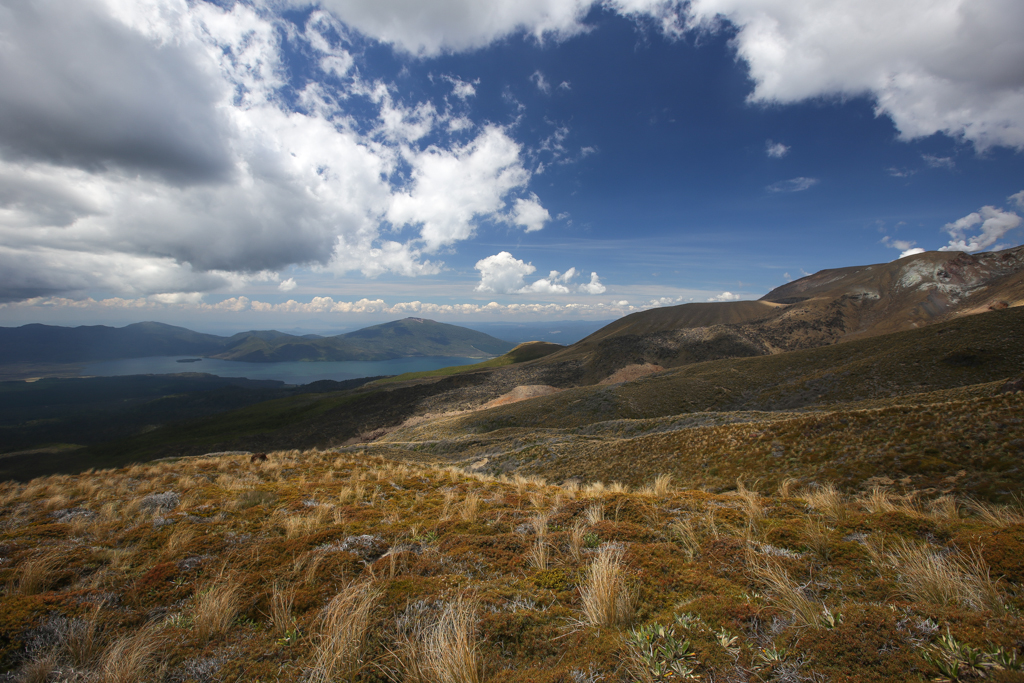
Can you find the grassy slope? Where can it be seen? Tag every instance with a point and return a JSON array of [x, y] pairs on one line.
[[526, 351], [978, 349], [798, 585], [919, 410]]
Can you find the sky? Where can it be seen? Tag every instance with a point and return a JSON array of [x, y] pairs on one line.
[[279, 163]]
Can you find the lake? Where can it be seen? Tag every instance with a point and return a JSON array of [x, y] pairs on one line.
[[292, 372]]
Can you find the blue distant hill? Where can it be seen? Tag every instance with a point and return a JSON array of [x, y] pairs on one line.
[[399, 339]]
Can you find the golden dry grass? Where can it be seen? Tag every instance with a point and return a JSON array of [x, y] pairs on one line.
[[606, 597], [928, 576], [688, 551], [444, 650], [343, 627], [470, 507], [788, 595], [37, 573], [130, 658], [215, 609]]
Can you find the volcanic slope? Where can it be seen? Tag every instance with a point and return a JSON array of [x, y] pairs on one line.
[[824, 308], [923, 408]]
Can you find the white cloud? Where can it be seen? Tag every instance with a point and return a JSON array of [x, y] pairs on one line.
[[1017, 199], [793, 185], [462, 89], [430, 28], [994, 224], [174, 165], [725, 296], [530, 214], [503, 273], [452, 188], [906, 247], [325, 304], [287, 285], [946, 66], [776, 150], [542, 84], [594, 286], [949, 66]]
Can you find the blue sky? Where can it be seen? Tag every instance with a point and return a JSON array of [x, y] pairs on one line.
[[285, 164]]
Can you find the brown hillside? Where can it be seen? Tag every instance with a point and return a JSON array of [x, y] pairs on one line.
[[827, 307]]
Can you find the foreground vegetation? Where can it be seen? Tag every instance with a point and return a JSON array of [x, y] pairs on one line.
[[345, 566]]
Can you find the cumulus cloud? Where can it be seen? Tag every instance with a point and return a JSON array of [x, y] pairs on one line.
[[430, 28], [776, 150], [287, 285], [725, 296], [1017, 199], [949, 67], [793, 185], [529, 214], [503, 273], [146, 148], [989, 223], [594, 286], [452, 187]]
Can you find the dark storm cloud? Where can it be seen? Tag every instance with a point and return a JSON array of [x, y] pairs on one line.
[[80, 89]]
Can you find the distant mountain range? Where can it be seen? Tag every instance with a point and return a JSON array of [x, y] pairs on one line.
[[398, 339]]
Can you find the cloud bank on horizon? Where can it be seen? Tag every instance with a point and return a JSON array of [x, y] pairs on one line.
[[170, 152]]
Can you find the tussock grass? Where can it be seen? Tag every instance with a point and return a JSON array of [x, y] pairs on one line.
[[685, 534], [946, 508], [818, 539], [39, 669], [81, 641], [342, 632], [576, 540], [282, 603], [130, 658], [594, 513], [827, 500], [659, 488], [179, 538], [539, 523], [470, 507], [300, 525], [37, 573], [999, 515], [539, 554], [607, 599], [751, 501], [945, 579], [788, 595], [444, 650], [215, 609]]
